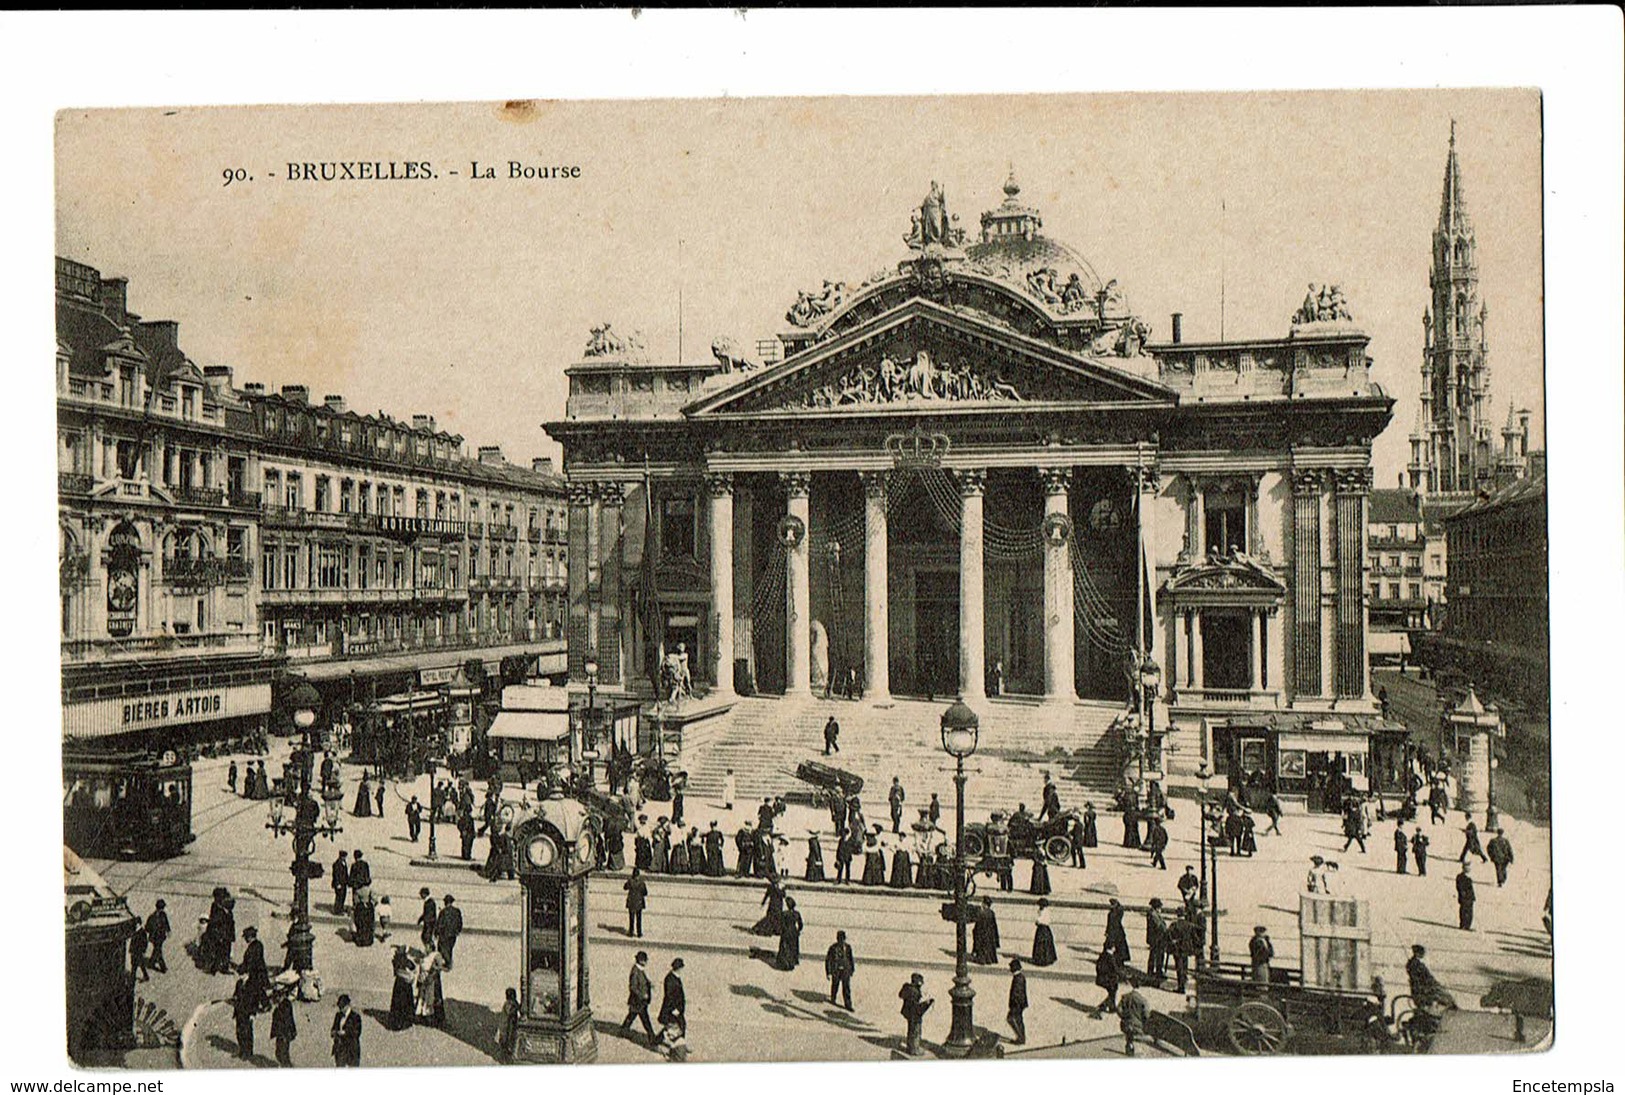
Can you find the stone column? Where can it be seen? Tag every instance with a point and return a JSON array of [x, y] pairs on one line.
[[578, 548], [1275, 656], [798, 593], [1197, 674], [1306, 625], [876, 592], [1352, 487], [1059, 633], [720, 488], [972, 599], [1148, 481], [1255, 629]]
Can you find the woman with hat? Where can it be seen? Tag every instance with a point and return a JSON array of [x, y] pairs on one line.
[[1040, 883], [790, 925], [874, 860], [1043, 937], [1091, 832], [431, 1001], [402, 999], [815, 859], [774, 899]]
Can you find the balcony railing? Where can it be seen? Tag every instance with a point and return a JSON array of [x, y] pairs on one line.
[[91, 650], [1226, 697], [206, 572], [74, 482], [243, 499], [199, 496]]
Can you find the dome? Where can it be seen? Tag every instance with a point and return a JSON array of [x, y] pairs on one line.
[[1014, 250], [566, 815]]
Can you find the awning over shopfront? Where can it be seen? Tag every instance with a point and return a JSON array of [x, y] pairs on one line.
[[531, 725], [1324, 743], [404, 702]]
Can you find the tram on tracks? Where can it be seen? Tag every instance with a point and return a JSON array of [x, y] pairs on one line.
[[126, 805]]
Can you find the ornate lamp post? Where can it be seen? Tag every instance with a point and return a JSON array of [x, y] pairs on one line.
[[556, 854], [589, 722], [310, 818], [1476, 727], [1150, 678], [1209, 895], [960, 728]]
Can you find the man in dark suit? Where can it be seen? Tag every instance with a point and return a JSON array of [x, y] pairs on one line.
[[1466, 896], [844, 850], [673, 1003], [639, 992], [428, 919], [360, 872], [1500, 854], [414, 819], [1156, 939], [637, 896], [1018, 1002], [832, 734], [894, 798], [243, 1006], [448, 927], [1402, 847], [341, 881], [253, 967], [284, 1029], [839, 962], [157, 932], [346, 1035], [915, 1005]]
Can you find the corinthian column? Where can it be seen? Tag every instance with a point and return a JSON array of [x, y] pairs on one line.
[[971, 599], [1059, 652], [719, 486], [798, 594], [876, 625]]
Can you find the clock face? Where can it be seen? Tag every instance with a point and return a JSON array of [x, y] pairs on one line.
[[584, 846], [542, 852]]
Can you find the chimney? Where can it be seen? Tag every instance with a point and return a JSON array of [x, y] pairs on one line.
[[113, 300], [296, 393], [491, 454], [423, 422], [166, 331], [1174, 323], [218, 372], [334, 403], [542, 465], [253, 387]]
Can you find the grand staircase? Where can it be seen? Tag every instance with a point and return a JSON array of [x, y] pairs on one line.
[[763, 739]]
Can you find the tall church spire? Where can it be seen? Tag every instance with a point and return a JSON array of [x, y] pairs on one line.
[[1456, 454]]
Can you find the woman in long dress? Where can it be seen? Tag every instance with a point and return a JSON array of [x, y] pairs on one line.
[[364, 917], [790, 925], [774, 899], [902, 868], [874, 862], [985, 935], [815, 859], [508, 1028], [363, 799], [403, 998], [696, 851], [1040, 882], [1091, 832], [431, 1003], [1043, 937], [678, 861], [660, 847]]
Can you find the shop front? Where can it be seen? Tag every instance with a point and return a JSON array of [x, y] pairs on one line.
[[1315, 762], [183, 711]]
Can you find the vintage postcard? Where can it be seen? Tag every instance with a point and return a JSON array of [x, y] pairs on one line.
[[782, 579]]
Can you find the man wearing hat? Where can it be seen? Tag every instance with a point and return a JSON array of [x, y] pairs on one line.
[[448, 927], [1500, 854], [157, 932], [1156, 939], [1466, 897], [1260, 950], [1402, 846], [1018, 1002], [428, 918], [915, 1005]]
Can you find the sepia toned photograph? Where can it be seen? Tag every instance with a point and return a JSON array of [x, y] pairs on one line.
[[804, 579]]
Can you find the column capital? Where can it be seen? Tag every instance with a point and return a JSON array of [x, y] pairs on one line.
[[580, 494], [1056, 480], [1147, 477], [798, 484], [1352, 480], [874, 483], [972, 481], [719, 484], [610, 494], [1308, 480]]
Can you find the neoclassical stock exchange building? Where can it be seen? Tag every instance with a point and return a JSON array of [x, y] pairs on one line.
[[972, 474]]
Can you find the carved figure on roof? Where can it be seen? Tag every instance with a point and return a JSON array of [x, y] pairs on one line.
[[814, 307], [1110, 299], [731, 356], [931, 223], [1073, 295], [1323, 305], [606, 342], [1131, 338]]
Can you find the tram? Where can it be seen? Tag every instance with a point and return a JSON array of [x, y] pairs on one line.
[[126, 805]]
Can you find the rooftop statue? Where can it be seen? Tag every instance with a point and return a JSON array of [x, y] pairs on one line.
[[606, 342], [933, 224], [1323, 305]]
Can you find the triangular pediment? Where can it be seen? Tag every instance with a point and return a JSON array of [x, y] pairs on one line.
[[922, 355]]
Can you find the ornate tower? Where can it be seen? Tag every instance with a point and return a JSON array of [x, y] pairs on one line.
[[1452, 449]]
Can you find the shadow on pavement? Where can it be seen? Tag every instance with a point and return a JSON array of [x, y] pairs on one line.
[[608, 1028], [229, 1048]]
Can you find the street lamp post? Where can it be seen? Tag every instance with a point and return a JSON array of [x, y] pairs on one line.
[[589, 722], [309, 819], [960, 728], [1209, 892], [1150, 677], [434, 806]]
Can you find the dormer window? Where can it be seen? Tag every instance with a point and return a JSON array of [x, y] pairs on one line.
[[188, 402]]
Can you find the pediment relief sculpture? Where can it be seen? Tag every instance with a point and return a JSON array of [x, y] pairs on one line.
[[923, 379]]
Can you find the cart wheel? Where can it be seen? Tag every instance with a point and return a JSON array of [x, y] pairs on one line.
[[1402, 1025], [975, 845], [1256, 1030], [1058, 849]]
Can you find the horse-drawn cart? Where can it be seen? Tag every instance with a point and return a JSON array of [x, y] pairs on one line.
[[1332, 1005]]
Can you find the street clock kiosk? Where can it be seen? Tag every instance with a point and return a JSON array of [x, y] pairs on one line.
[[556, 853]]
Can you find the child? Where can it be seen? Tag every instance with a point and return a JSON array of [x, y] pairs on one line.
[[672, 1044]]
